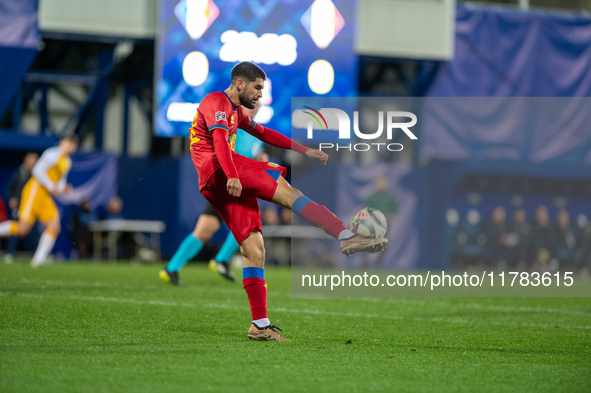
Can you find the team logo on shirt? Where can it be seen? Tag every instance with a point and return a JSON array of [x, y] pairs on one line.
[[273, 164], [220, 116]]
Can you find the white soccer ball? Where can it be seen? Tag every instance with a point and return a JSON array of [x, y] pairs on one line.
[[369, 222]]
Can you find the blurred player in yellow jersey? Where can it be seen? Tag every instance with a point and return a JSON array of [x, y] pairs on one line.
[[48, 179]]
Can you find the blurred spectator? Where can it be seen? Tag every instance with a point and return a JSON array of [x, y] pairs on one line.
[[542, 240], [19, 178], [567, 238], [286, 216], [496, 235], [583, 258], [271, 216], [382, 199], [516, 239], [126, 242], [17, 182], [468, 238], [79, 229], [112, 211], [469, 230]]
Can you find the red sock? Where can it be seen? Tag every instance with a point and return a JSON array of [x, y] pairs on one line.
[[256, 289], [318, 216]]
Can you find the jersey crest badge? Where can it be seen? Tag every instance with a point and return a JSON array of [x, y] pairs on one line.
[[220, 116], [272, 164]]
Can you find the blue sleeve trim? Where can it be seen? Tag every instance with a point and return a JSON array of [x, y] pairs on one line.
[[218, 126], [300, 204], [251, 127], [253, 272]]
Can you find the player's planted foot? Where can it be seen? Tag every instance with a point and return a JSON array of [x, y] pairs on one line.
[[267, 333], [223, 268], [37, 265], [359, 243], [170, 277]]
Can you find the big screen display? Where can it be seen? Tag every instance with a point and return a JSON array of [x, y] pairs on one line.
[[305, 47]]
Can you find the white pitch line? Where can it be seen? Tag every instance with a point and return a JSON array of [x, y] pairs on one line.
[[474, 305], [349, 299], [102, 299], [286, 310], [90, 284], [393, 317]]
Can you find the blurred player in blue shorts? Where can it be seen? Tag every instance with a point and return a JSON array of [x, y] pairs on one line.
[[209, 222]]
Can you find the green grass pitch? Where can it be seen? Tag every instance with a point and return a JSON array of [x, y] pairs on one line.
[[118, 328]]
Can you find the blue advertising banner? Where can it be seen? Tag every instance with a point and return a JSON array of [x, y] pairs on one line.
[[505, 52]]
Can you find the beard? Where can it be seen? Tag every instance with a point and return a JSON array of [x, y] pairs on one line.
[[246, 101]]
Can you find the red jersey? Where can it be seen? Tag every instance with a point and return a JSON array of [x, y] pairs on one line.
[[216, 111]]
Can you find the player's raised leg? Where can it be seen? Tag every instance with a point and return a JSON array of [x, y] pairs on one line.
[[27, 215], [220, 263], [20, 228], [253, 279], [206, 226], [8, 228], [319, 216]]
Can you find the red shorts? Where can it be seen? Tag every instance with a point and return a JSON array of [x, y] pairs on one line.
[[242, 214]]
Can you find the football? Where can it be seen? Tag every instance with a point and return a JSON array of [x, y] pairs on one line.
[[369, 222]]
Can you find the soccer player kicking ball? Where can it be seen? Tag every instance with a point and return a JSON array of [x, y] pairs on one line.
[[48, 179], [232, 183], [209, 223]]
